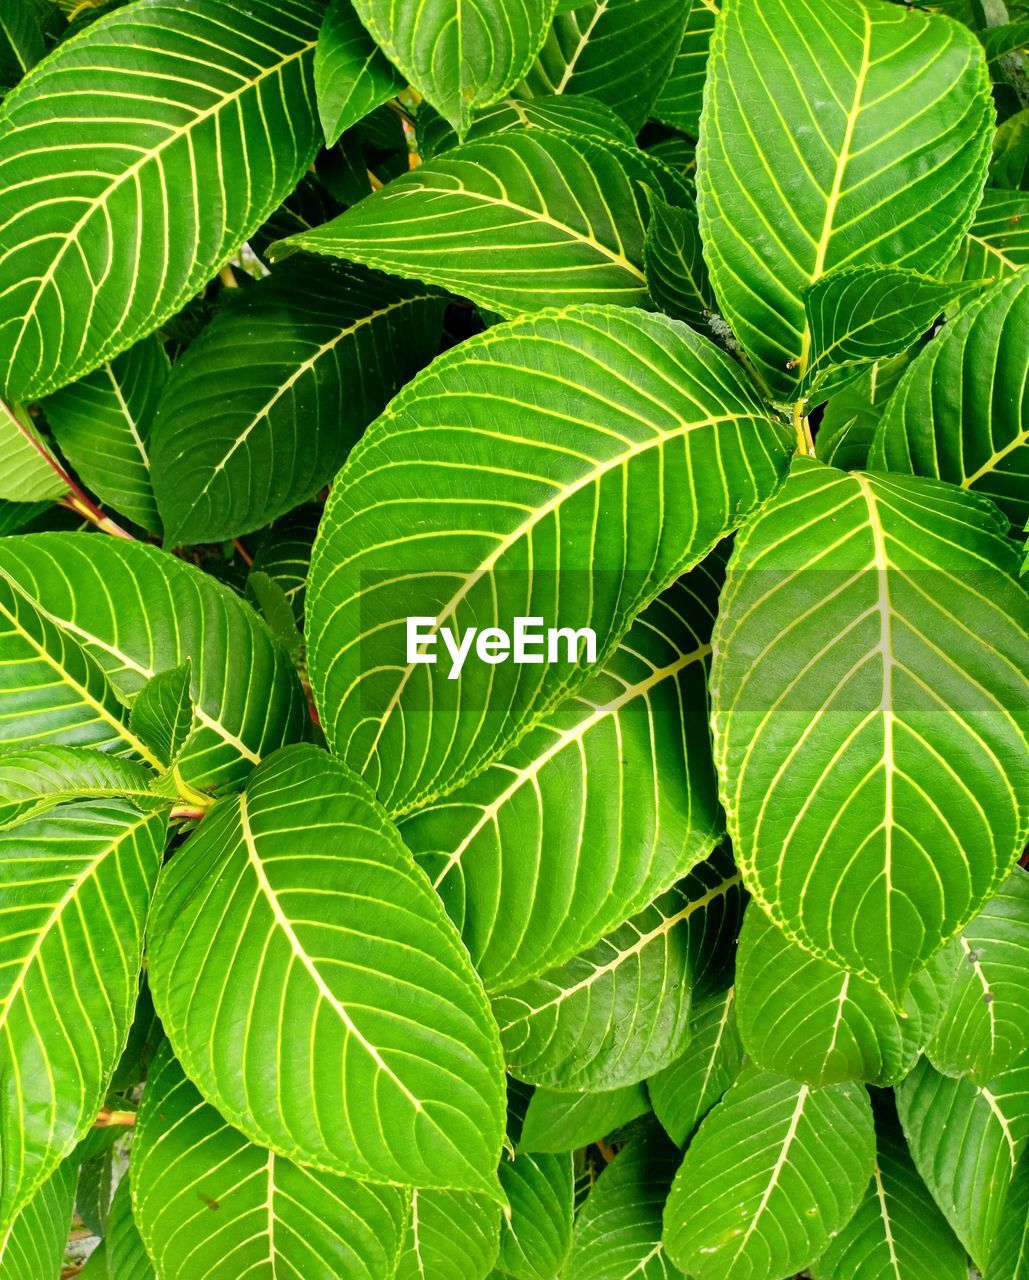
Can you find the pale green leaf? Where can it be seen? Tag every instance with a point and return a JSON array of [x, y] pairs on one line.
[[537, 1234], [127, 1257], [631, 751], [960, 412], [611, 51], [684, 1092], [618, 1229], [28, 472], [137, 611], [773, 1173], [985, 1025], [451, 1235], [262, 409], [210, 1204], [539, 424], [102, 424], [32, 1246], [461, 54], [558, 1122], [804, 1018], [966, 1140], [351, 75], [380, 1059], [897, 1233], [67, 879], [849, 135], [682, 96], [621, 1011], [868, 707]]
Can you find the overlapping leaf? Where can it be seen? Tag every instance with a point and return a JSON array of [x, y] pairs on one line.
[[682, 95], [21, 41], [126, 1252], [684, 1092], [960, 413], [537, 425], [28, 473], [1009, 1257], [849, 136], [261, 410], [451, 1235], [40, 778], [196, 100], [673, 256], [68, 880], [557, 1122], [137, 611], [32, 1245], [209, 1203], [998, 243], [537, 1234], [351, 75], [575, 113], [852, 415], [298, 900], [868, 694]]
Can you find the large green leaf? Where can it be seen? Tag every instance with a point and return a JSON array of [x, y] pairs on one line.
[[538, 426], [773, 1173], [379, 1057], [960, 412], [518, 221], [897, 1233], [620, 1012], [32, 1246], [618, 1229], [102, 424], [556, 1121], [998, 243], [682, 95], [632, 749], [985, 1025], [261, 410], [806, 1019], [869, 700], [36, 779], [611, 51], [208, 124], [451, 1235], [209, 1203], [832, 137], [1009, 1257], [537, 1233], [351, 75], [75, 888], [966, 1140], [684, 1092], [461, 54], [137, 611]]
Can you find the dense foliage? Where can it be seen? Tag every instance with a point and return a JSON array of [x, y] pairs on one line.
[[698, 325]]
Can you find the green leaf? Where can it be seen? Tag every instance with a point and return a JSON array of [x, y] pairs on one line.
[[867, 715], [451, 1235], [636, 730], [537, 1234], [673, 256], [1009, 167], [137, 611], [40, 778], [575, 114], [262, 409], [620, 1011], [274, 606], [382, 1060], [284, 554], [958, 414], [998, 243], [67, 880], [28, 472], [163, 714], [897, 1232], [518, 221], [217, 99], [773, 1173], [853, 413], [127, 1255], [857, 315], [462, 56], [684, 1092], [32, 1246], [682, 96], [21, 41], [609, 50], [1009, 1258], [985, 1025], [852, 137], [966, 1141], [618, 1229], [536, 425], [209, 1203], [556, 1122], [351, 75], [804, 1018], [102, 424]]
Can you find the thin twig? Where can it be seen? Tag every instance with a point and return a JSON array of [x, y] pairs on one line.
[[110, 1119], [245, 555]]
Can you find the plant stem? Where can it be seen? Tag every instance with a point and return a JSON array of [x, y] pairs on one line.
[[109, 1119], [802, 430]]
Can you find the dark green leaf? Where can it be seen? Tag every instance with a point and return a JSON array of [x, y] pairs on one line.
[[352, 77], [557, 1122]]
